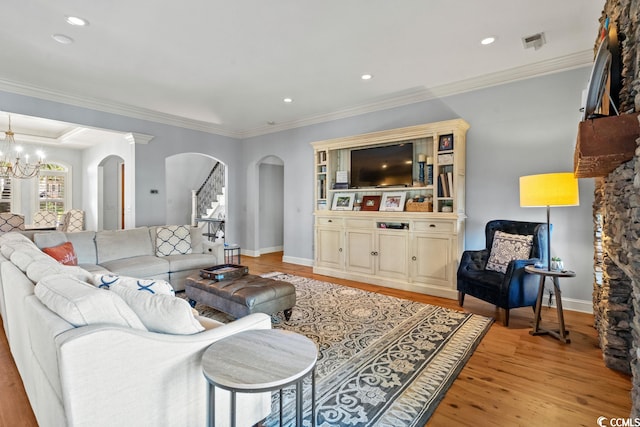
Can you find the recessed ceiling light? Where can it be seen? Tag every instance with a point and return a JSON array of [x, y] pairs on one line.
[[61, 38], [271, 123], [487, 40], [74, 20], [288, 100], [366, 77]]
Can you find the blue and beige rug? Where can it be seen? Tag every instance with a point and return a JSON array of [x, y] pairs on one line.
[[382, 361]]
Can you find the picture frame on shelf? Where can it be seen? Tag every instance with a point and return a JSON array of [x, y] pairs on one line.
[[371, 203], [393, 201], [445, 142], [343, 201]]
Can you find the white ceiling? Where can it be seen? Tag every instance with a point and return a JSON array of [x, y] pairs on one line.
[[225, 66]]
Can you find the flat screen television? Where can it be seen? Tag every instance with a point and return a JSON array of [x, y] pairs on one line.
[[386, 166]]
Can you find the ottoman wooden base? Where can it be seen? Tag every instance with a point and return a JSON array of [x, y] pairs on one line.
[[244, 295]]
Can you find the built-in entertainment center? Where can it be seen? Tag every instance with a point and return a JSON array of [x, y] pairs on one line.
[[389, 207]]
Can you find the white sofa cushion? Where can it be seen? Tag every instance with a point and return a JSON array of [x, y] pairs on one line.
[[119, 244], [22, 258], [8, 248], [47, 240], [152, 286], [160, 313], [81, 304], [39, 269], [173, 240]]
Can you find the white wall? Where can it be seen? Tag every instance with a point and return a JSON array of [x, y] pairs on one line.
[[115, 145], [185, 172]]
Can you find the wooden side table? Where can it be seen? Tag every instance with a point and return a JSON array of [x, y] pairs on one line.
[[562, 334], [257, 361]]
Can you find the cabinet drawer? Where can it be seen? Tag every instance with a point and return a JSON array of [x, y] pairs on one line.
[[434, 226], [358, 223], [335, 222]]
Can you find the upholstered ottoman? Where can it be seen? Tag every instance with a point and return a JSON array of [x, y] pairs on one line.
[[243, 295]]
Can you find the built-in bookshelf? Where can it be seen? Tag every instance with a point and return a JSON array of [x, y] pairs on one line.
[[440, 146], [408, 235]]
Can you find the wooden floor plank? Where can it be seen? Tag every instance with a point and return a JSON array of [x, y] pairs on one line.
[[512, 379]]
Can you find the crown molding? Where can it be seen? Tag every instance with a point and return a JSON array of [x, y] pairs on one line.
[[412, 96], [114, 108], [555, 65]]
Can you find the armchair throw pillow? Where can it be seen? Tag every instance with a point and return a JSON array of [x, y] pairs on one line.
[[173, 240], [506, 248]]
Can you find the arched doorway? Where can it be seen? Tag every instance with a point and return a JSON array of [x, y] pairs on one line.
[[185, 173]]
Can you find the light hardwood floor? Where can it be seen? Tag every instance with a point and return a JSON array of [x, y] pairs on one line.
[[512, 379]]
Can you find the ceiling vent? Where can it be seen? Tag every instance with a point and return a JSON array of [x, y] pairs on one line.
[[535, 41]]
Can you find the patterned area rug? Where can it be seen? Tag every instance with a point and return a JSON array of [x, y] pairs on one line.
[[382, 361]]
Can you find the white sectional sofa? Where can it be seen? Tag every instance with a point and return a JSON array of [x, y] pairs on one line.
[[132, 252], [83, 365]]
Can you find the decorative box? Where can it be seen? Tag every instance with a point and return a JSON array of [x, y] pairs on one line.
[[224, 272]]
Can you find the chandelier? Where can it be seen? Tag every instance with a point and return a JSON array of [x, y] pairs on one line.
[[12, 165]]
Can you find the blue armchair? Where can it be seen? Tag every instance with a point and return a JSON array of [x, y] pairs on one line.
[[512, 289]]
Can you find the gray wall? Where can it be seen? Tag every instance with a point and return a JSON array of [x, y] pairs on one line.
[[516, 129], [271, 209], [111, 193]]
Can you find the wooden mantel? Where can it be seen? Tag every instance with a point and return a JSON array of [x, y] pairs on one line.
[[604, 144]]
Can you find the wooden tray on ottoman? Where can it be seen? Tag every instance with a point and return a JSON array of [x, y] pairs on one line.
[[224, 272]]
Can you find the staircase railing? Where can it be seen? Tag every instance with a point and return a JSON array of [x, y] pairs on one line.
[[208, 192]]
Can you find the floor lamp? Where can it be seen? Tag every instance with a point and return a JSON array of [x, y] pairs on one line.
[[546, 190]]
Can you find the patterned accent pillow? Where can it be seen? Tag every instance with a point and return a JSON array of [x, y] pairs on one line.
[[506, 248], [173, 240], [151, 286], [64, 253]]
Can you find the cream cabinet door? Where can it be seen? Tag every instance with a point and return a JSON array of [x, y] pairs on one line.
[[391, 254], [330, 247], [360, 252], [431, 259]]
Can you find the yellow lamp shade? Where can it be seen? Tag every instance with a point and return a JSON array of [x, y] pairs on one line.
[[549, 189]]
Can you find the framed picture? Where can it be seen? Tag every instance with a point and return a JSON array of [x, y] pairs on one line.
[[446, 142], [371, 203], [343, 201], [393, 201]]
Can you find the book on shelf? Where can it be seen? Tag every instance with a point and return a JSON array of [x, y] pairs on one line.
[[321, 189], [450, 183], [322, 156], [340, 185], [443, 186]]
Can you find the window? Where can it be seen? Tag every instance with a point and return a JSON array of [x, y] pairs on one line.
[[53, 188]]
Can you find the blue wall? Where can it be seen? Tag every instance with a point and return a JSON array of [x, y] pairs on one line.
[[516, 129]]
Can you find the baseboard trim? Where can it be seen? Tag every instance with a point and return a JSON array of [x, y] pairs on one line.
[[271, 250], [300, 261], [570, 304]]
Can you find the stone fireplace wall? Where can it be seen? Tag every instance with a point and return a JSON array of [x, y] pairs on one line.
[[616, 209]]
